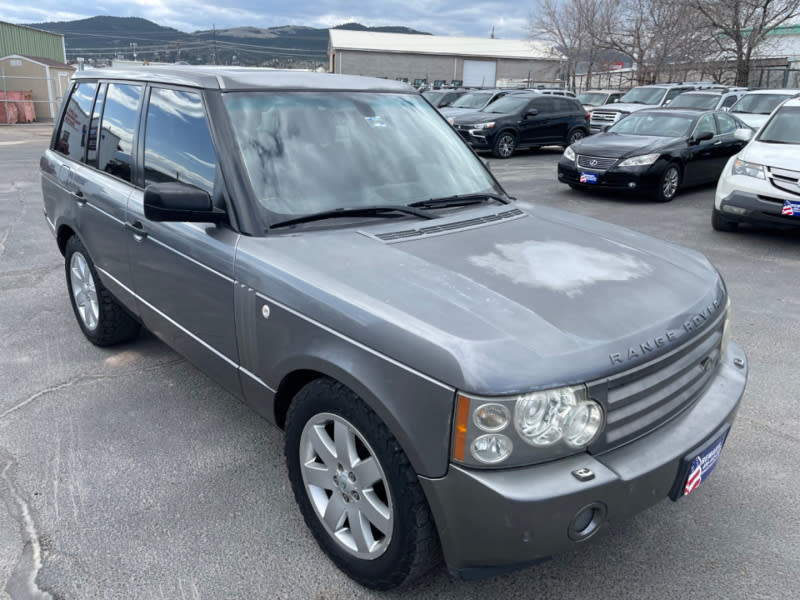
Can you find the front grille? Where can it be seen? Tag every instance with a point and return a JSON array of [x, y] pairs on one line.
[[604, 116], [785, 180], [597, 163], [644, 398]]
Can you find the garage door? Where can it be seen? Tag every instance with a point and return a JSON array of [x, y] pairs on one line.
[[480, 73]]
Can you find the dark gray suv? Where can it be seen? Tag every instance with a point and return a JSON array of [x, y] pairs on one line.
[[458, 376]]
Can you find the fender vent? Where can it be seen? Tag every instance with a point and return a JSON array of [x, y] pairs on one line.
[[405, 234]]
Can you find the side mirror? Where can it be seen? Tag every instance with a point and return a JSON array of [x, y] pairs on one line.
[[175, 201], [703, 136], [743, 134], [531, 112]]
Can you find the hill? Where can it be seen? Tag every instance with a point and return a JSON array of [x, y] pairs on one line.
[[99, 39]]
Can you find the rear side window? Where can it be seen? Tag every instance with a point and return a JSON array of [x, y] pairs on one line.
[[178, 143], [73, 130], [115, 153], [726, 123]]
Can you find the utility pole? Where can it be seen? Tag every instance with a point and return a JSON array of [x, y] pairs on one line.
[[214, 30], [133, 45]]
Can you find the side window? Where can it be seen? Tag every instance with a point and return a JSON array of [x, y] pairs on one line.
[[115, 153], [726, 123], [74, 127], [543, 105], [178, 143], [728, 101], [91, 142], [675, 92], [705, 123]]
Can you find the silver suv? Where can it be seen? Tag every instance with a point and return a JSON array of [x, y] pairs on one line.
[[644, 96], [458, 376]]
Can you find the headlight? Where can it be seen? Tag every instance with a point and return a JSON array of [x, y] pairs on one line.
[[640, 161], [569, 153], [525, 429], [479, 126], [741, 167]]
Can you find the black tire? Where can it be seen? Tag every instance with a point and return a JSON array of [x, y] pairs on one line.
[[328, 412], [504, 144], [669, 183], [102, 319], [574, 136], [721, 223]]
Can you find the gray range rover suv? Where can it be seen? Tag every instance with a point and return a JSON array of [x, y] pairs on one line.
[[459, 377]]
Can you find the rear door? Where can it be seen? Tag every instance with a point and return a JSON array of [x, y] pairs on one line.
[[183, 272], [541, 128]]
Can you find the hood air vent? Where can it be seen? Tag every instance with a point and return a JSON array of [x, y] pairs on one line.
[[405, 234]]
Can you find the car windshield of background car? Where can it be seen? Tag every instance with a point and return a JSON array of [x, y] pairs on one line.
[[507, 105], [307, 152], [702, 101], [655, 125], [643, 96], [592, 98], [759, 104], [783, 127], [471, 100]]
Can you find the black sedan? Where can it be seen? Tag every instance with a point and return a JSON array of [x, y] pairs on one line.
[[654, 152]]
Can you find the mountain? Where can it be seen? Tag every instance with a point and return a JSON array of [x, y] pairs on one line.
[[99, 39]]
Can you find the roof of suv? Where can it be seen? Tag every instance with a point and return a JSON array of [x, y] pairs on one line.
[[237, 78]]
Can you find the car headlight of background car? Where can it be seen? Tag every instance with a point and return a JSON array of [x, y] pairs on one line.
[[640, 161], [481, 126], [569, 153], [741, 167], [524, 429]]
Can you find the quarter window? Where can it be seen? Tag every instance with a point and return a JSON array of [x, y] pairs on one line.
[[178, 143], [74, 128], [705, 123], [115, 154]]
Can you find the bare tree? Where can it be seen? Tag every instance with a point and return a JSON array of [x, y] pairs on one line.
[[742, 26]]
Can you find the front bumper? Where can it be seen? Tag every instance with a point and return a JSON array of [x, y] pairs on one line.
[[482, 139], [747, 199], [630, 179], [490, 521]]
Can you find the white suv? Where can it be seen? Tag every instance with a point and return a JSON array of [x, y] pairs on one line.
[[761, 184]]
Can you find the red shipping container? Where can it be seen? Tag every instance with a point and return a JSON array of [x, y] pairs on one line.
[[26, 113], [8, 112]]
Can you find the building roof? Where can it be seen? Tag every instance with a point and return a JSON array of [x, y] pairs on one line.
[[370, 41], [49, 62]]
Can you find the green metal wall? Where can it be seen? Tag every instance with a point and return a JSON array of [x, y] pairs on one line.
[[30, 42]]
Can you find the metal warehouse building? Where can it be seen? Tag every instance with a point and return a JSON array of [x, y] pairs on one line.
[[476, 62]]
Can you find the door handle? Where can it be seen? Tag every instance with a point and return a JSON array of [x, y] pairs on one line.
[[81, 199], [137, 229]]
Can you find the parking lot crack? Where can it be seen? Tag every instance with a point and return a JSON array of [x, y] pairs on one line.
[[22, 582]]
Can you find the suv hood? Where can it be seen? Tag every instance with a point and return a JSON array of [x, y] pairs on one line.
[[624, 107], [541, 299], [782, 156], [477, 117]]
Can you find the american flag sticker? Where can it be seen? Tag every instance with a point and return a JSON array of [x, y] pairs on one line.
[[791, 208], [703, 464]]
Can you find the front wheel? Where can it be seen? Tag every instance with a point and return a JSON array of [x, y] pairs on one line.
[[574, 136], [102, 319], [355, 488], [504, 145], [668, 184]]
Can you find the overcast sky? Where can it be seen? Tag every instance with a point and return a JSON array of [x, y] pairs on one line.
[[440, 17]]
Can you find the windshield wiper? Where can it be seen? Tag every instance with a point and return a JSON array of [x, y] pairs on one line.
[[458, 200], [355, 211]]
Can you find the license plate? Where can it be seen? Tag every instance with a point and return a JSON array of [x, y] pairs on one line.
[[791, 208], [588, 177], [696, 467]]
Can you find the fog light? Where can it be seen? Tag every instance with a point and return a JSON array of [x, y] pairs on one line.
[[632, 185], [734, 210]]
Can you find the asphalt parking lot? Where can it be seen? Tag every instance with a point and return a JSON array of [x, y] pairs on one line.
[[125, 473]]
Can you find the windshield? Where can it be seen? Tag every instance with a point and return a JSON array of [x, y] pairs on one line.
[[759, 104], [306, 152], [507, 105], [472, 100], [660, 124], [593, 98], [702, 101], [643, 95], [783, 127]]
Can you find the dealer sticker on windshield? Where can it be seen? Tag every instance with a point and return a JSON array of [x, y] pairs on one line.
[[791, 208], [588, 178]]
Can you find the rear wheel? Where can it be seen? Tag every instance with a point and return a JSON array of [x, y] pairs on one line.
[[102, 319], [504, 145], [669, 183], [721, 223], [574, 136], [356, 490]]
